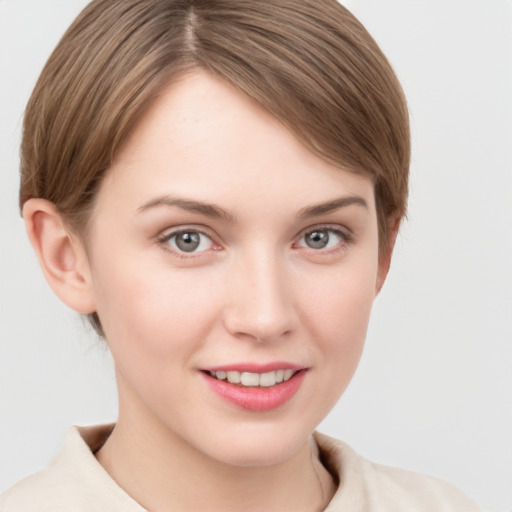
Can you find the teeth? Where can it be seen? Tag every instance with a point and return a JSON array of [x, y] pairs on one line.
[[234, 377], [288, 374], [266, 379], [250, 379]]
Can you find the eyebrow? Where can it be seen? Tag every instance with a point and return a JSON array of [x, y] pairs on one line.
[[332, 206], [202, 208], [216, 212]]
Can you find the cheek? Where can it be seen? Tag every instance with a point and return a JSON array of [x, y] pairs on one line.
[[342, 333], [338, 315], [150, 313], [341, 302]]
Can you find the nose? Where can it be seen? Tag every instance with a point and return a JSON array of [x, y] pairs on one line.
[[261, 300]]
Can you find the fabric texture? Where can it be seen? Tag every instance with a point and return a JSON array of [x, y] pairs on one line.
[[75, 481]]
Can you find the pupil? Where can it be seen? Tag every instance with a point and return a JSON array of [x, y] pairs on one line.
[[188, 242], [317, 239]]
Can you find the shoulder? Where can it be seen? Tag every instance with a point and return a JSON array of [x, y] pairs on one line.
[[35, 492], [367, 487], [73, 481]]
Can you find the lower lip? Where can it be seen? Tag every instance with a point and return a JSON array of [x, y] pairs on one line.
[[257, 399]]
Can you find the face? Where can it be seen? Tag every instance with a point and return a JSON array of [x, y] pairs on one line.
[[233, 272]]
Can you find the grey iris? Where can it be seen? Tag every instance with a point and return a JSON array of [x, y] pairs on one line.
[[317, 239], [188, 242]]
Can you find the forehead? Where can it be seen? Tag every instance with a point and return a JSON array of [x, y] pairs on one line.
[[202, 137]]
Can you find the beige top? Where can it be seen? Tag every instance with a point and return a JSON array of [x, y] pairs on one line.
[[76, 482]]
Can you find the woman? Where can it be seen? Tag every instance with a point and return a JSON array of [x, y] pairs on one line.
[[218, 186]]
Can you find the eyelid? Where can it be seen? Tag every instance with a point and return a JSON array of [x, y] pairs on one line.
[[344, 232], [168, 233], [346, 235]]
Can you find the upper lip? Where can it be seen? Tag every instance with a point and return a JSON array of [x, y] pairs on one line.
[[255, 367]]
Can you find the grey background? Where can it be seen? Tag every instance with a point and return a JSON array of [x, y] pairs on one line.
[[433, 392]]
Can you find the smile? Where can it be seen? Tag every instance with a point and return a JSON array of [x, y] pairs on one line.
[[256, 391], [250, 379]]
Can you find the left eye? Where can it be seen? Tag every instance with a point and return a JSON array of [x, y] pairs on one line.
[[322, 238], [189, 241]]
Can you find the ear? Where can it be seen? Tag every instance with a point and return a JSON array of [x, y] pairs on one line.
[[387, 252], [61, 255]]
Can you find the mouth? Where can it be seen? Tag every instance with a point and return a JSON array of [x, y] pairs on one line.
[[256, 391], [252, 379]]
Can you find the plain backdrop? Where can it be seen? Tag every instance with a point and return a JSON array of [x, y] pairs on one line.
[[433, 392]]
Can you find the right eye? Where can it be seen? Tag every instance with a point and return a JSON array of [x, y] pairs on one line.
[[188, 241]]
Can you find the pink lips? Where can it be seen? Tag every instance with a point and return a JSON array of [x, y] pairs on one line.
[[257, 399]]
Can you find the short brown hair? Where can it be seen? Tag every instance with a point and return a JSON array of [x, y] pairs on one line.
[[309, 63]]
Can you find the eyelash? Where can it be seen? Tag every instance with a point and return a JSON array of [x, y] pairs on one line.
[[165, 238], [346, 238]]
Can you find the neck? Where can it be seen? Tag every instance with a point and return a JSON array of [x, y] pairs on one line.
[[162, 472]]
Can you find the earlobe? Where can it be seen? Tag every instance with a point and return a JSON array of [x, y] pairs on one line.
[[61, 256], [387, 252]]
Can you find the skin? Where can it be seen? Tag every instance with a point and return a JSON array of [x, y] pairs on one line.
[[253, 291]]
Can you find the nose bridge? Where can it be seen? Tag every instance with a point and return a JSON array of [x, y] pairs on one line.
[[261, 305]]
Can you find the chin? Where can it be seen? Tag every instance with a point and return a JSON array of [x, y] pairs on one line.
[[259, 446]]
